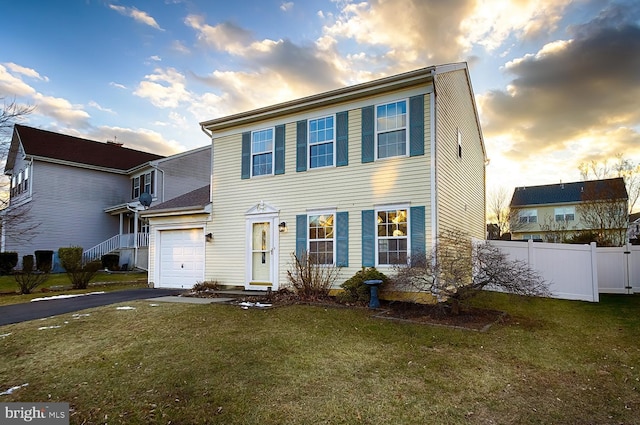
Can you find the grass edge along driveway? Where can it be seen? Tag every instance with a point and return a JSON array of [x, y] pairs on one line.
[[552, 361]]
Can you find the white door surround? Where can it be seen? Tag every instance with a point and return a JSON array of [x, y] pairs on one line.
[[262, 247]]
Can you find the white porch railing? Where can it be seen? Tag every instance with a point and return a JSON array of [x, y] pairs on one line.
[[127, 240]]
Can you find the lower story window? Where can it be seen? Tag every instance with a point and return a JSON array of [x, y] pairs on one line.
[[392, 236], [321, 238]]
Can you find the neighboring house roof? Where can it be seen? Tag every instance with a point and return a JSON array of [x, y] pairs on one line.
[[195, 200], [633, 217], [56, 146], [563, 193]]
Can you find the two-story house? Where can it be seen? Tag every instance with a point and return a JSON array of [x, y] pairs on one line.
[[361, 176], [559, 212], [69, 191]]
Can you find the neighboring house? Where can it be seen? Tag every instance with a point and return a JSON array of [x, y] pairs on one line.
[[633, 232], [68, 191], [357, 177], [559, 212]]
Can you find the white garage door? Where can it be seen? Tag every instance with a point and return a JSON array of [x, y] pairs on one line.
[[181, 258]]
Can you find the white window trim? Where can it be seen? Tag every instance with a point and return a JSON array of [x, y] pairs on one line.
[[309, 144], [391, 207], [564, 211], [376, 132], [272, 151], [333, 212], [528, 213]]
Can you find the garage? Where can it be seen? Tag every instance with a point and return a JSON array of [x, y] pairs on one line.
[[181, 257]]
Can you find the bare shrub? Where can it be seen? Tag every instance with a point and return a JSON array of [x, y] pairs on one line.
[[457, 269], [310, 279], [28, 279]]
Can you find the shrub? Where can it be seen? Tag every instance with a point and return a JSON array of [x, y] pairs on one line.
[[355, 290], [8, 260], [79, 274], [28, 280], [311, 280], [44, 260], [111, 262], [206, 286]]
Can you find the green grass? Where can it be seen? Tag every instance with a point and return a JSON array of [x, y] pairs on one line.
[[9, 292], [552, 361]]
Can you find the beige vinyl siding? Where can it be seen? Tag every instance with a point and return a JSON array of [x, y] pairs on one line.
[[351, 188], [460, 181]]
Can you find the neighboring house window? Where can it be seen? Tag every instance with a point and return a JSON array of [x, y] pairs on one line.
[[135, 192], [321, 142], [392, 238], [391, 129], [20, 182], [528, 216], [565, 214], [26, 179], [142, 184], [262, 152], [321, 238], [459, 144]]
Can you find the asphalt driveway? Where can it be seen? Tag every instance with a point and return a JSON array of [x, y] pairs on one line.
[[16, 313]]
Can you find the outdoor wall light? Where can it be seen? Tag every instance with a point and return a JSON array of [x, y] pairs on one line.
[[209, 237], [282, 227]]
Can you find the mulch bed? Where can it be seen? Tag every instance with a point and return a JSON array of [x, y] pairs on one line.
[[475, 319]]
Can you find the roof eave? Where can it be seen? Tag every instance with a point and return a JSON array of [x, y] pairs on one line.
[[169, 212]]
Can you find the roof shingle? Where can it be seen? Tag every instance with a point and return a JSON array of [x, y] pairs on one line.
[[52, 145], [573, 192]]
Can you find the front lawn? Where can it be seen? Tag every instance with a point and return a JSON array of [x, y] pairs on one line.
[[551, 361], [9, 292]]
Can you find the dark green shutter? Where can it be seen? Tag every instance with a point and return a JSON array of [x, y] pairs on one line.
[[246, 155], [279, 145], [368, 136], [416, 125], [416, 215], [342, 236], [301, 145], [301, 235], [368, 238], [342, 139]]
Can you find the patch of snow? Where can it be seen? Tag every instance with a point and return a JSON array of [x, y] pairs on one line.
[[125, 308], [58, 297], [245, 305], [5, 335], [154, 305], [41, 328], [12, 389], [79, 315]]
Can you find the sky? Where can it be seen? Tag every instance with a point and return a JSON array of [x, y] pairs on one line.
[[556, 82]]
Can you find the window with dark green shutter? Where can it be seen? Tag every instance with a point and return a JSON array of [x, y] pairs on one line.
[[368, 130], [301, 145], [342, 139], [246, 155], [342, 239], [368, 238], [279, 150], [301, 235], [416, 123]]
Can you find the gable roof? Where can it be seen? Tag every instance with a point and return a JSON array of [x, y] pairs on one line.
[[196, 199], [563, 193], [47, 144]]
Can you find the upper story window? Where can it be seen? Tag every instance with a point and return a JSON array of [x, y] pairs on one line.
[[262, 152], [565, 214], [321, 142], [528, 216], [391, 129], [321, 238], [20, 182], [392, 236], [143, 183]]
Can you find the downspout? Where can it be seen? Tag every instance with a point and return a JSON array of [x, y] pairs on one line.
[[434, 161]]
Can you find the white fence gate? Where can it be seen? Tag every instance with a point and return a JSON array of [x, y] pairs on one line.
[[579, 272]]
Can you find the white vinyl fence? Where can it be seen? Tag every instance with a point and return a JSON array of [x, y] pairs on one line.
[[571, 270], [580, 272]]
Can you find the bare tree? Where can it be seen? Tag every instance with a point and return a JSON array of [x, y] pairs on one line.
[[555, 231], [13, 219], [616, 167], [604, 211], [457, 268]]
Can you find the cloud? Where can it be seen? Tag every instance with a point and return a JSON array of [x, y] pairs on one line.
[[179, 47], [137, 15], [28, 72], [117, 85], [61, 110], [13, 86], [165, 88], [286, 6], [140, 139], [97, 106], [224, 37], [572, 97]]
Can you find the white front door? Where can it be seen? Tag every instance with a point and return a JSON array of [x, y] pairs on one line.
[[262, 257]]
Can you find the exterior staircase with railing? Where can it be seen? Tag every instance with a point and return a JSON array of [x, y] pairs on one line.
[[122, 241]]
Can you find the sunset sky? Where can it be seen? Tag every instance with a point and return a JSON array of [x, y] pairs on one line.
[[557, 82]]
